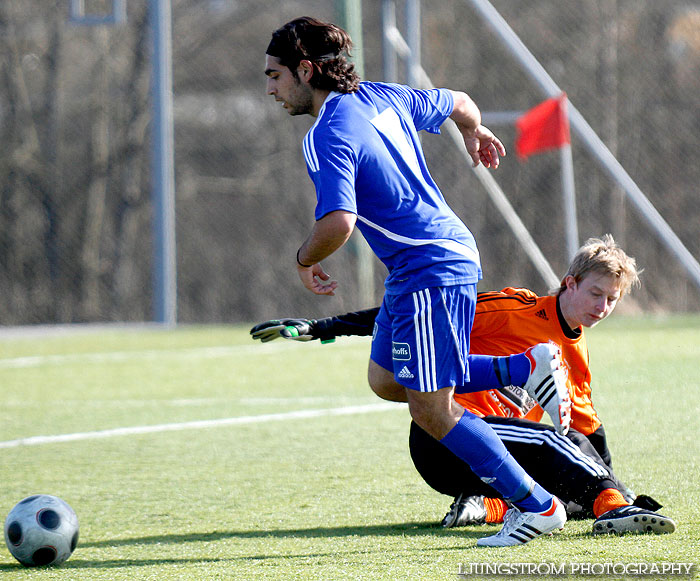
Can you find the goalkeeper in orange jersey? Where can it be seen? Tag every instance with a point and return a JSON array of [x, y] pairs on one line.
[[577, 467]]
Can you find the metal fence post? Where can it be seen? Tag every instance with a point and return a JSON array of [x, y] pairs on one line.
[[163, 175]]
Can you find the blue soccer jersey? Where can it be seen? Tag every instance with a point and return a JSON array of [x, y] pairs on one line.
[[364, 156]]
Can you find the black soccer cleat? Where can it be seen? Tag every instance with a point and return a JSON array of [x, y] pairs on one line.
[[632, 519], [465, 510]]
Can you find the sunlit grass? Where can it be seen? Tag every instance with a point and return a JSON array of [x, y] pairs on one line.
[[328, 497]]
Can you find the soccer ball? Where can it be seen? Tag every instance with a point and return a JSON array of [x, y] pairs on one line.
[[41, 530]]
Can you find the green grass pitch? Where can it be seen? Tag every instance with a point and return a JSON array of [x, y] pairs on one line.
[[313, 495]]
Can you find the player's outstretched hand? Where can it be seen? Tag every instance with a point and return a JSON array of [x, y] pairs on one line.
[[315, 279], [295, 329], [485, 148]]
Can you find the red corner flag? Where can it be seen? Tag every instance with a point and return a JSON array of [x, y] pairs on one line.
[[543, 128]]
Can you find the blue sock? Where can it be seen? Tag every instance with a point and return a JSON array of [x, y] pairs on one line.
[[489, 372], [482, 374], [475, 442], [519, 367]]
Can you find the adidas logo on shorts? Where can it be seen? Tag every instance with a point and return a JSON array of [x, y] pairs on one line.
[[405, 373]]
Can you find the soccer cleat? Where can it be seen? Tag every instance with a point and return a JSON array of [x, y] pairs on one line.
[[547, 384], [632, 519], [522, 527], [465, 510]]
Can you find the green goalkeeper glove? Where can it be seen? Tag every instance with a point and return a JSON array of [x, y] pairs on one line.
[[295, 329]]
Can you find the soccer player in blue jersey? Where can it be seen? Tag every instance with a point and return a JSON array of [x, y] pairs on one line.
[[367, 165]]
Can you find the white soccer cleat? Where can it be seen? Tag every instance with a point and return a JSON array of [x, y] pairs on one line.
[[522, 527], [547, 384]]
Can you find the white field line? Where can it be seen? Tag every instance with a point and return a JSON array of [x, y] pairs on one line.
[[202, 424], [192, 353], [118, 356], [93, 403]]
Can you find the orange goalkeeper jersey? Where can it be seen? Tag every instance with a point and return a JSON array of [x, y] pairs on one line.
[[509, 322]]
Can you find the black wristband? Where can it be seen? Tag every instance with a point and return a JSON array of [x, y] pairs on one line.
[[323, 329], [300, 263]]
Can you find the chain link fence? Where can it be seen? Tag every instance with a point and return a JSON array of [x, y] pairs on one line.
[[75, 193]]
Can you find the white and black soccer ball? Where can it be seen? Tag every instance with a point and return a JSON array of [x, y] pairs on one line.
[[41, 530]]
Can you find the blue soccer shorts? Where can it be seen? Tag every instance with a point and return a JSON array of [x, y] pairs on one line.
[[424, 336]]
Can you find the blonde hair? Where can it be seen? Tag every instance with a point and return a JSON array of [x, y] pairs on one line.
[[603, 256]]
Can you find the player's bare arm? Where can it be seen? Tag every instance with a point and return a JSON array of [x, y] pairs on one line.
[[482, 145], [328, 235]]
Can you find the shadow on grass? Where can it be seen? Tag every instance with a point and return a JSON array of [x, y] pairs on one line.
[[408, 529], [411, 529], [111, 564], [401, 529], [157, 562]]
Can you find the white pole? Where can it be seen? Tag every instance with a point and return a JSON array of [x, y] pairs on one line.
[[413, 35], [569, 193], [163, 175], [389, 32], [568, 190]]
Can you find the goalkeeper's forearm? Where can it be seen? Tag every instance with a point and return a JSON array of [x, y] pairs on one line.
[[359, 323]]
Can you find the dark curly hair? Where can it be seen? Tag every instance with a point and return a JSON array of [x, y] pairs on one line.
[[325, 45]]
